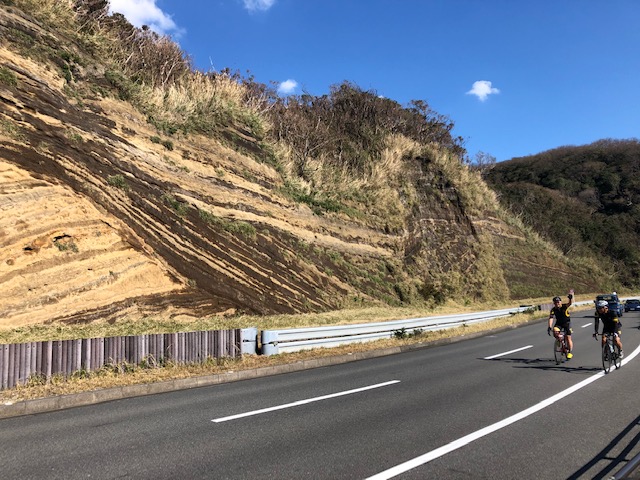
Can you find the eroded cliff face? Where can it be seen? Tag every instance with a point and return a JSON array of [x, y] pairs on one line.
[[101, 218]]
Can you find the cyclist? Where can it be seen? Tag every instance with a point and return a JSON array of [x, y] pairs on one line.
[[563, 321], [610, 324]]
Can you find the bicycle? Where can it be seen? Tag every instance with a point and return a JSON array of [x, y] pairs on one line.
[[610, 353], [560, 346]]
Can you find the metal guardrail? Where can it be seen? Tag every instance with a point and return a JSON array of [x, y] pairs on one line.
[[545, 307], [580, 304], [19, 361], [295, 339]]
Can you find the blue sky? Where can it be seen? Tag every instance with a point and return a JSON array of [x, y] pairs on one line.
[[517, 77]]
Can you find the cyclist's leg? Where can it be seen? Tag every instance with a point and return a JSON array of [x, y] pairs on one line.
[[568, 332], [618, 340], [607, 358]]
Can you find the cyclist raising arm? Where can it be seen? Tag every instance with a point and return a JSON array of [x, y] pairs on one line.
[[610, 324], [563, 321]]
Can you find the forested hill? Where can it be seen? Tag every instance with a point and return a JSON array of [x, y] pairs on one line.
[[584, 199]]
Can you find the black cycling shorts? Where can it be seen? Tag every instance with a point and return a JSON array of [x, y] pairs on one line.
[[611, 329], [566, 327]]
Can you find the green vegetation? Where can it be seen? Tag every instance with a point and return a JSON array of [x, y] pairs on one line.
[[318, 205], [9, 128], [7, 77], [74, 137], [66, 244], [118, 181], [180, 208], [590, 196], [236, 227], [403, 333]]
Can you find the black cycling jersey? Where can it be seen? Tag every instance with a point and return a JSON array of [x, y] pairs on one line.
[[610, 322], [563, 319]]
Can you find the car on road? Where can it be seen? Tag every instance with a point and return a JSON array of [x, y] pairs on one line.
[[614, 302], [632, 305]]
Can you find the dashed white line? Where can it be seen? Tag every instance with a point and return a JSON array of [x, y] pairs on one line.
[[303, 402], [507, 353], [585, 326], [461, 442]]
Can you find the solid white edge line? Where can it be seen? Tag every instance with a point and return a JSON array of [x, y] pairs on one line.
[[461, 442], [303, 402], [507, 353]]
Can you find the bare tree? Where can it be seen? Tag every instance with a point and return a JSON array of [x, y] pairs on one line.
[[482, 162]]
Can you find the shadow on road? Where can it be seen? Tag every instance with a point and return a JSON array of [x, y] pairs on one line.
[[546, 364], [612, 458]]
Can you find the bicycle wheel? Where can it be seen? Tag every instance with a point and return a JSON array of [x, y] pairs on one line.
[[607, 358], [557, 351], [616, 357]]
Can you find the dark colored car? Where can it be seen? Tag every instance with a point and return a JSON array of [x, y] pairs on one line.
[[616, 307], [632, 305], [614, 302]]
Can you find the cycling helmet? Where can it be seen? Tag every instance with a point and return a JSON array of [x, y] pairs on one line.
[[602, 303], [556, 299]]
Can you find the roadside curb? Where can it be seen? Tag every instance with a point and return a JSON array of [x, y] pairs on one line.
[[61, 402]]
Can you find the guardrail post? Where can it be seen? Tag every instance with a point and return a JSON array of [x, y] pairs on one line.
[[270, 343], [248, 340]]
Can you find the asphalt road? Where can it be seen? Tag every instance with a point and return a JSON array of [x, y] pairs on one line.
[[448, 412]]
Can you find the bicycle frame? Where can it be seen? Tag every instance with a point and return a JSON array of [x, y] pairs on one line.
[[560, 346], [610, 353]]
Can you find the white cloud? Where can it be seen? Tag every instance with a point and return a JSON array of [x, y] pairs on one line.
[[258, 5], [482, 89], [287, 87], [145, 12]]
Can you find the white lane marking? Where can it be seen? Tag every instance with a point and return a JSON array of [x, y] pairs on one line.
[[461, 442], [507, 353], [303, 402], [585, 326]]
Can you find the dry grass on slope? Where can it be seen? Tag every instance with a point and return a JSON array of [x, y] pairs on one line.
[[199, 100]]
